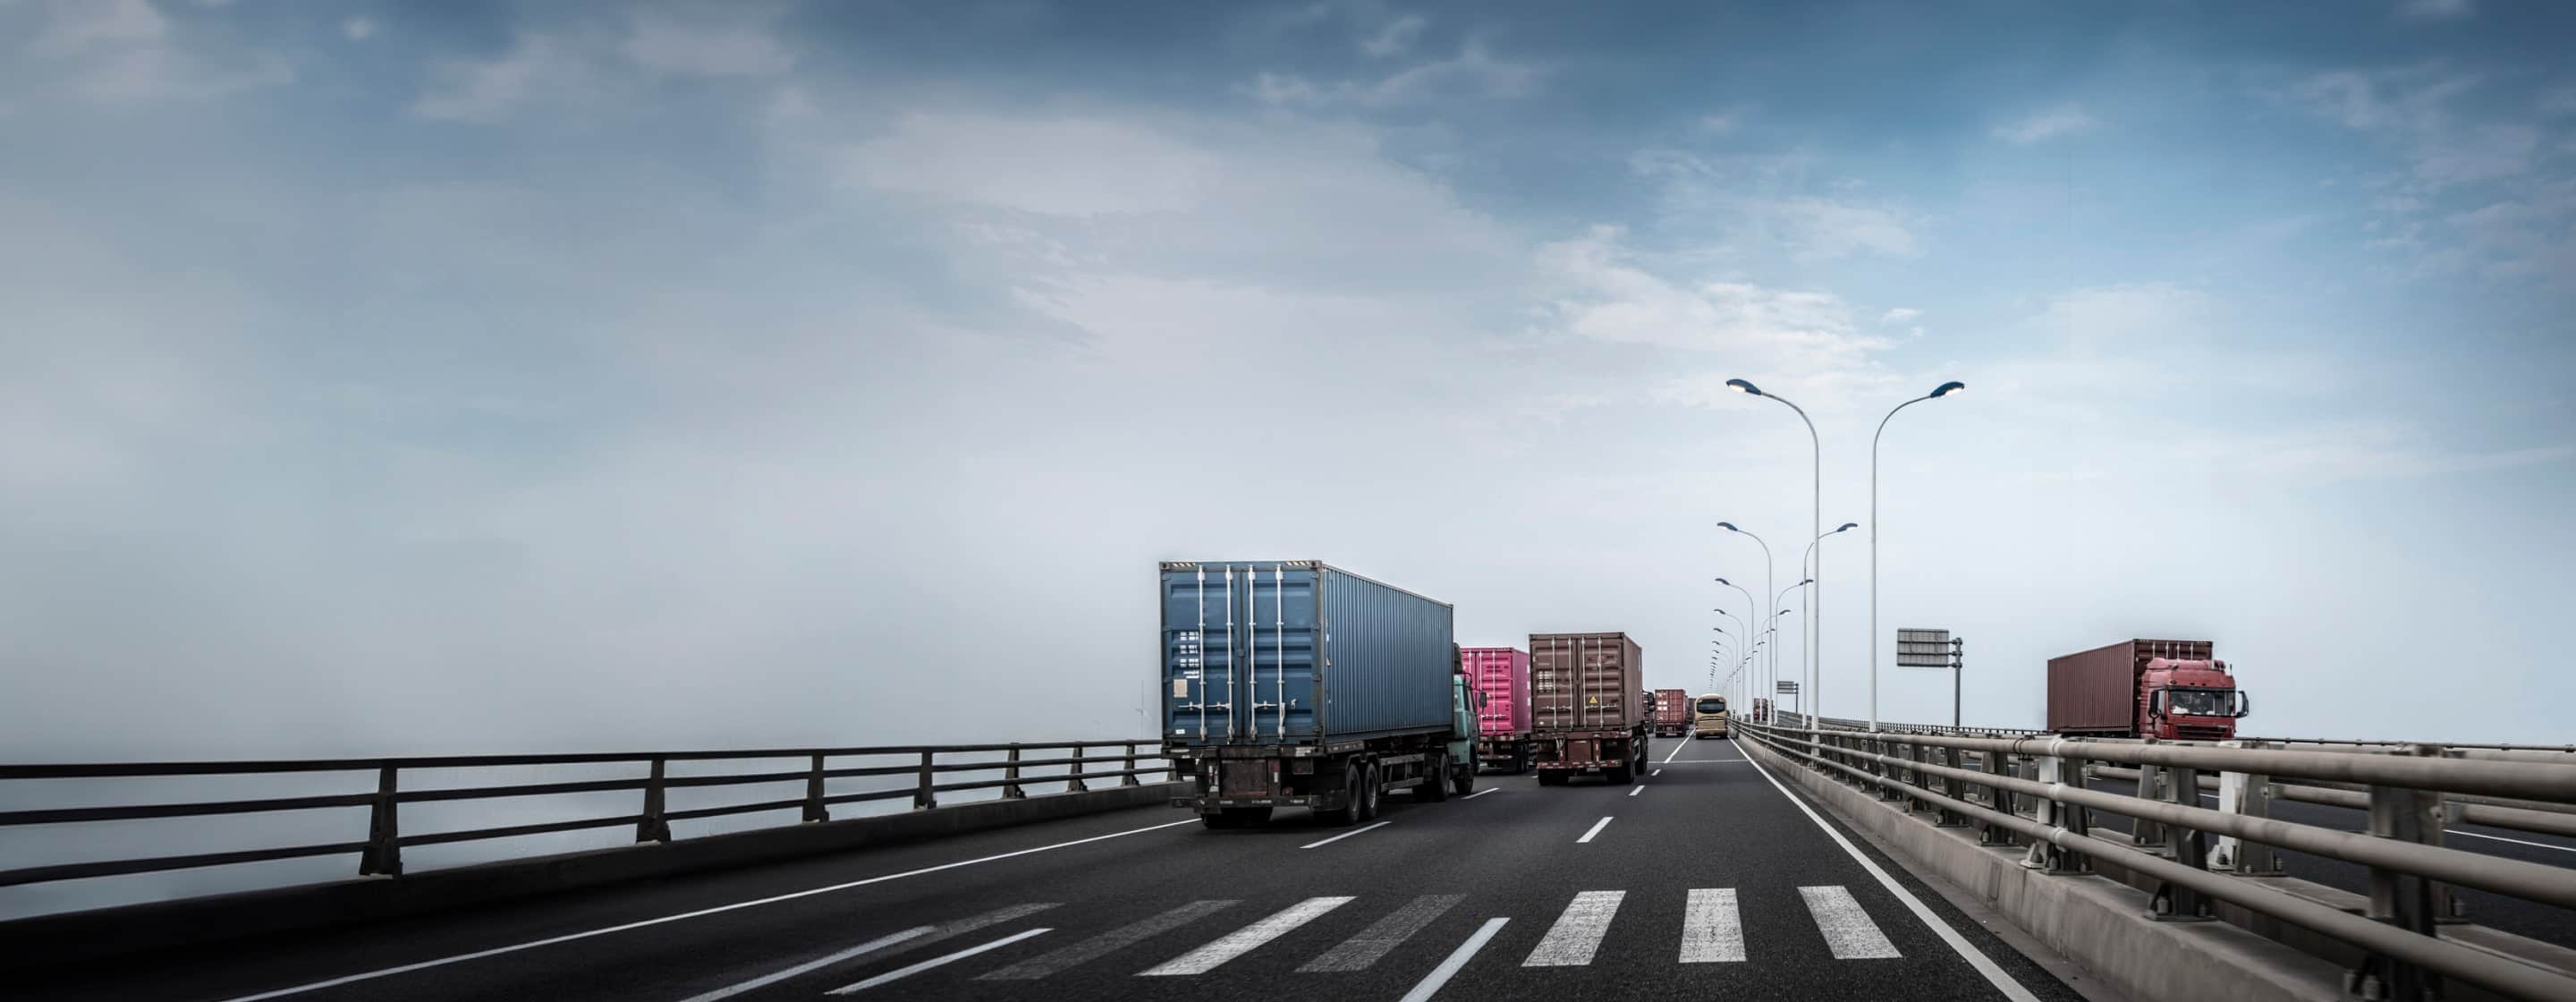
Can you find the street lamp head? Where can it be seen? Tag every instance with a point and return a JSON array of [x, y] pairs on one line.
[[1728, 526], [1948, 388], [1740, 386], [1782, 612], [1804, 583], [1847, 527], [1725, 582]]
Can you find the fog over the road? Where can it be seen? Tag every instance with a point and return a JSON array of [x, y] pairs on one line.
[[437, 378]]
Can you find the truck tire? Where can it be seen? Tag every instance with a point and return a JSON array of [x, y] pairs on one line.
[[1370, 788], [1548, 778], [1237, 817], [1350, 810], [1619, 775], [1462, 780], [1435, 780]]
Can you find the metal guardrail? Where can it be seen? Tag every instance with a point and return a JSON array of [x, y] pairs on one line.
[[380, 852], [2406, 793]]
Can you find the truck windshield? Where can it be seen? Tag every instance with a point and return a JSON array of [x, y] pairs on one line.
[[1712, 706], [2201, 702]]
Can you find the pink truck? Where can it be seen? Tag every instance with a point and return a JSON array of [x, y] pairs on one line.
[[1502, 674]]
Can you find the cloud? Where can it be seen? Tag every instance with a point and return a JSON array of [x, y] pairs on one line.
[[706, 46], [1738, 196], [2064, 120], [2558, 101], [2435, 10], [1474, 73], [1823, 229], [358, 29], [487, 90], [127, 52], [1052, 167], [1607, 293], [1396, 38], [2128, 314], [1899, 315]]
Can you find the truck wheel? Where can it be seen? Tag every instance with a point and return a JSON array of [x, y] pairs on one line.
[[1546, 778], [1462, 781], [1350, 809], [1619, 775], [1221, 820], [1435, 780], [1370, 788], [1237, 817], [1522, 763]]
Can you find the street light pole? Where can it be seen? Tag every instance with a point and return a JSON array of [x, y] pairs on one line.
[[1938, 392], [1767, 582], [1815, 525], [1817, 664]]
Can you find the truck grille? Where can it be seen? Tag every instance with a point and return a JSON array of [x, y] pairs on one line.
[[2191, 733]]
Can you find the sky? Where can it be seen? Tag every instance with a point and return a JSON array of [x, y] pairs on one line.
[[490, 377]]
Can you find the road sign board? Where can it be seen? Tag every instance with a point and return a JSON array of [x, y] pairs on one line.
[[1926, 649], [1788, 688]]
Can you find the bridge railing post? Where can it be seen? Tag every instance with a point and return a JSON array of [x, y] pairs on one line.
[[815, 811], [1011, 773], [1997, 797], [1130, 778], [383, 855], [2400, 899], [1073, 781], [923, 796], [1952, 788], [2187, 846], [2248, 794], [652, 826], [2143, 833]]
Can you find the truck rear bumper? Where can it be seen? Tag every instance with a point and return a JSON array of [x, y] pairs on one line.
[[1206, 804]]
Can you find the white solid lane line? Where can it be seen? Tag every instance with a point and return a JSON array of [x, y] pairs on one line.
[[1848, 931], [1712, 930], [1242, 941], [1655, 773], [817, 963], [1595, 830], [774, 899], [1457, 959], [1106, 943], [1577, 933], [1635, 790], [897, 975], [1347, 834], [2516, 841], [1677, 750], [1482, 792], [1967, 951]]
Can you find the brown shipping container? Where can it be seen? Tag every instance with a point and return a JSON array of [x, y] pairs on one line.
[[2096, 691], [1586, 682]]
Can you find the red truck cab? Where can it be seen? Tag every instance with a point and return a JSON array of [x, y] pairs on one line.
[[2189, 701]]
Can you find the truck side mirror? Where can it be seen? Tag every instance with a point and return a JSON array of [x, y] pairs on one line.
[[2244, 704], [2156, 703]]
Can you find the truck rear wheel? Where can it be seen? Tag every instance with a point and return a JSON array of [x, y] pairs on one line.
[[1237, 817], [1370, 787], [1435, 780], [1462, 780], [1350, 809], [1549, 778], [1619, 775]]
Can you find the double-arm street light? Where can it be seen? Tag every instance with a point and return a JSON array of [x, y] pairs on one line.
[[1816, 665], [1937, 393], [1816, 513]]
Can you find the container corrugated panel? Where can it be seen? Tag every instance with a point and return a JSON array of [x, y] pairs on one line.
[[2096, 691], [1503, 675], [1586, 682], [1297, 652], [1673, 706]]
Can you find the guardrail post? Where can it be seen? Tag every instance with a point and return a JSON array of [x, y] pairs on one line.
[[2077, 820], [652, 827], [2247, 794], [2400, 899], [1073, 782], [1954, 789], [2175, 903], [923, 797], [2143, 833], [383, 855], [1130, 779], [1998, 798], [814, 809], [1012, 790]]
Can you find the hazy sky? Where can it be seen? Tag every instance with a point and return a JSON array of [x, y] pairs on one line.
[[480, 376]]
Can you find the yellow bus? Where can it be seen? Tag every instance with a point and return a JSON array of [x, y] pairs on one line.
[[1708, 716]]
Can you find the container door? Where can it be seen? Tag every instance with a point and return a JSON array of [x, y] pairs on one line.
[[1280, 618], [1202, 643]]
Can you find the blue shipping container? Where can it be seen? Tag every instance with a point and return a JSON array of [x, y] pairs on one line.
[[1294, 652]]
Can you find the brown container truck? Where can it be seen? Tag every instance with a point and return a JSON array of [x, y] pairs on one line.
[[1672, 712], [2175, 690], [1587, 706]]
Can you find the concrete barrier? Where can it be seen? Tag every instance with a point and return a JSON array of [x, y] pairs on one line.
[[85, 936], [2097, 922]]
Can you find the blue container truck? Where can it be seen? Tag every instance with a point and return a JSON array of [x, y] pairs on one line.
[[1288, 683]]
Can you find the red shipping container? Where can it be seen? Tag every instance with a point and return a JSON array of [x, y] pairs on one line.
[[1503, 675]]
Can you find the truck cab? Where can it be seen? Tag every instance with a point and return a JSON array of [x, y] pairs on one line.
[[2189, 701]]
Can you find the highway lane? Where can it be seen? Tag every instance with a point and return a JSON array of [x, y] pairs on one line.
[[1705, 879]]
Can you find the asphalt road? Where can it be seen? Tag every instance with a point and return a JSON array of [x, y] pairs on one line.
[[1705, 881]]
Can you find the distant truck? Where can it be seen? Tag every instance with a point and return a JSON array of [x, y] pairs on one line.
[[1587, 706], [1267, 704], [1501, 678], [1672, 713], [2175, 690], [1708, 716], [1761, 711]]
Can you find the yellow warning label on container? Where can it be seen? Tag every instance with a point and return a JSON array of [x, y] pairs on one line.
[[1596, 701]]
